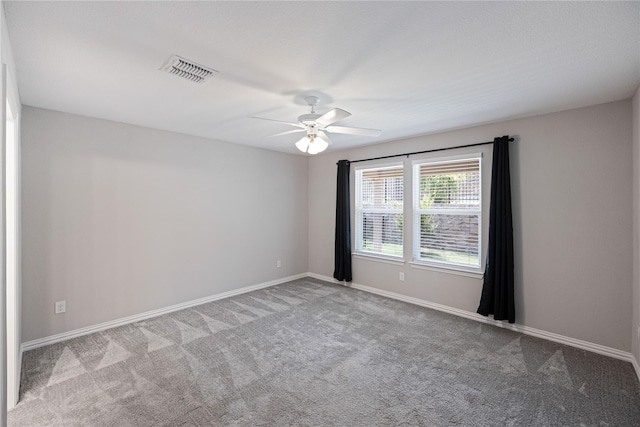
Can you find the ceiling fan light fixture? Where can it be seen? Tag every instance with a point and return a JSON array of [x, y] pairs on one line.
[[303, 144], [312, 144], [318, 144]]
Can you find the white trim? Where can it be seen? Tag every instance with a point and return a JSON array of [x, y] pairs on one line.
[[442, 269], [383, 165], [360, 210], [378, 258], [445, 159], [417, 212], [12, 248], [20, 351], [550, 336], [30, 345]]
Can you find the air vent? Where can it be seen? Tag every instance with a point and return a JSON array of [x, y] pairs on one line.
[[188, 70]]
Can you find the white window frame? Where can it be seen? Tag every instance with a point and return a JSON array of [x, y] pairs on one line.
[[416, 213], [359, 210]]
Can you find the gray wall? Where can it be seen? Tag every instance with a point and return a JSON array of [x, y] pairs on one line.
[[572, 184], [119, 219], [635, 325]]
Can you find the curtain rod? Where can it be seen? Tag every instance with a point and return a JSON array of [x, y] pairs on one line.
[[422, 152]]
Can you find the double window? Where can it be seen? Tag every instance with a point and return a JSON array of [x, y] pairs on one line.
[[446, 216]]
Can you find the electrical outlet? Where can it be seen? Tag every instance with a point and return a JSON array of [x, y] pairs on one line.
[[60, 307], [638, 333], [278, 264], [402, 276]]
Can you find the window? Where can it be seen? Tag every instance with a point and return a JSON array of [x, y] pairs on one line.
[[447, 209], [379, 205]]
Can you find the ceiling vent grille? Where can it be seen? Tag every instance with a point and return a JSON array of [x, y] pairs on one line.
[[188, 70]]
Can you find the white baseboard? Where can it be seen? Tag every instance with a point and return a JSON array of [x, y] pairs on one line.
[[527, 330], [30, 345]]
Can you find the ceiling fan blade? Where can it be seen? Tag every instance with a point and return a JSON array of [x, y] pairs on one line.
[[332, 116], [353, 131], [279, 121], [287, 132]]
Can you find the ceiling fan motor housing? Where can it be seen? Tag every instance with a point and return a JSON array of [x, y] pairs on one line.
[[308, 119]]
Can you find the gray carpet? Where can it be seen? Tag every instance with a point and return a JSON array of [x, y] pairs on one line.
[[309, 353]]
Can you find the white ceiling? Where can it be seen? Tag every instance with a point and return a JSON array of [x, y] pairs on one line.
[[407, 68]]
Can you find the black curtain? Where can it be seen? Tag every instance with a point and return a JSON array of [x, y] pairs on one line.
[[342, 269], [497, 289]]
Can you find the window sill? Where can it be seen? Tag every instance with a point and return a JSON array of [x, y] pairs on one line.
[[377, 258], [422, 266]]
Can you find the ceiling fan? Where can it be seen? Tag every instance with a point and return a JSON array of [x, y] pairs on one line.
[[317, 126]]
